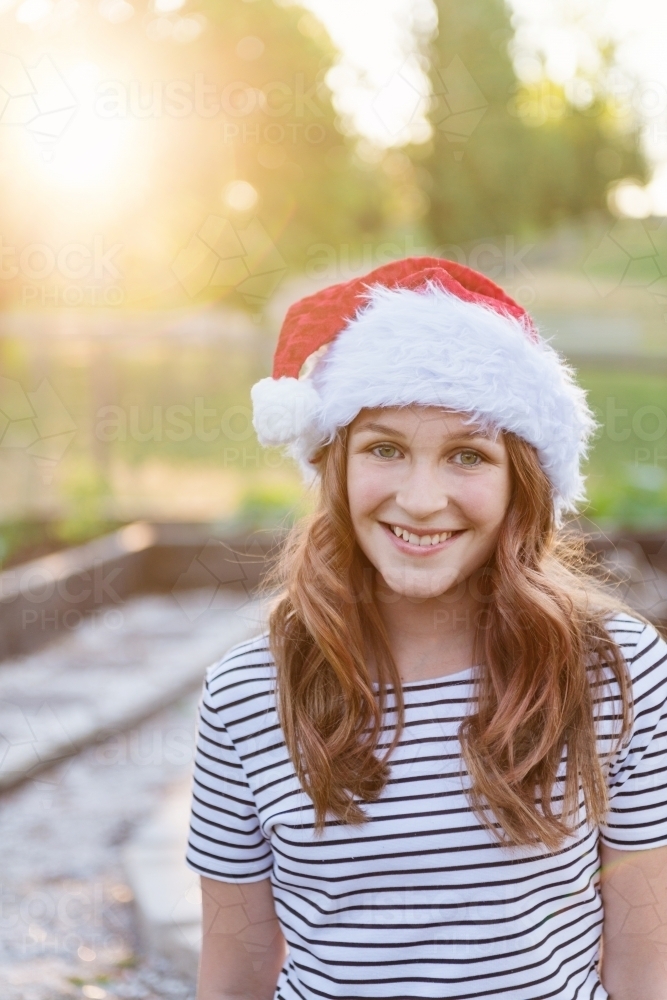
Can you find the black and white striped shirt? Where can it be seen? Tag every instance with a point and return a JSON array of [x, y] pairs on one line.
[[420, 901]]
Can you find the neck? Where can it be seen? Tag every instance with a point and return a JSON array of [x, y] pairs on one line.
[[430, 637]]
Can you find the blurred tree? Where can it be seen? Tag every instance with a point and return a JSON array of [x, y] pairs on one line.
[[268, 176], [508, 158]]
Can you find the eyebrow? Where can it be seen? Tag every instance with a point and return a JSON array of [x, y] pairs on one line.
[[386, 429]]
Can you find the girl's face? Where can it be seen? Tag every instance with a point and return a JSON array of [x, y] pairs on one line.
[[427, 496]]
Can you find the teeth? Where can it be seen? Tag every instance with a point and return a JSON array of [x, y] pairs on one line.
[[422, 540]]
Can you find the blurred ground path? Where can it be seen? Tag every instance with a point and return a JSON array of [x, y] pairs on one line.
[[68, 926], [68, 920], [115, 669]]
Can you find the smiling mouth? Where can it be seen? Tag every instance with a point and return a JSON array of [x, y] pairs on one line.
[[423, 540]]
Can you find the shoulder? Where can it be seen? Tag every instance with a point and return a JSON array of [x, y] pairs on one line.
[[246, 672], [644, 651]]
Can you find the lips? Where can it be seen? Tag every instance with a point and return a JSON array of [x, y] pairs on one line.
[[425, 541]]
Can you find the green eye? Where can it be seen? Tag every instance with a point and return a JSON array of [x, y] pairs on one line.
[[385, 451], [469, 458]]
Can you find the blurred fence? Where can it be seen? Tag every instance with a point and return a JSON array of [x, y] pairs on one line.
[[86, 408], [108, 418]]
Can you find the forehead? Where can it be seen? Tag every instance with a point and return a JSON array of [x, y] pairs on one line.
[[421, 420]]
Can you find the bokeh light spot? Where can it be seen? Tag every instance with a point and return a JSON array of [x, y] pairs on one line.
[[250, 47], [168, 6], [116, 11], [631, 200], [186, 29], [32, 11], [240, 196]]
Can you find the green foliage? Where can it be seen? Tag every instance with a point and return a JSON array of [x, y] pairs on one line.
[[269, 505], [85, 493], [22, 540], [636, 502], [271, 124], [288, 146], [633, 253], [508, 158], [627, 471], [27, 536], [131, 962], [191, 403]]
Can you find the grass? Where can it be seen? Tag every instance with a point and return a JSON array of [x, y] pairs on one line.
[[627, 469]]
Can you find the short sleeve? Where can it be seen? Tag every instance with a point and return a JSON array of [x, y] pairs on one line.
[[637, 780], [226, 841]]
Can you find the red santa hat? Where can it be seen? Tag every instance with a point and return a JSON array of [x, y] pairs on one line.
[[429, 332]]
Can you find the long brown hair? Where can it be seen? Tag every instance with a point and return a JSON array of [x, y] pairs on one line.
[[543, 647]]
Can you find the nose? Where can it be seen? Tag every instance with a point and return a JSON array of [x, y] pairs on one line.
[[422, 492]]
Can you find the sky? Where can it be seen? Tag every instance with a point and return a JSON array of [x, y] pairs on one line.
[[383, 88]]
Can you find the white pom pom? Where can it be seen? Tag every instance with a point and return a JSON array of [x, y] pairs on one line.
[[285, 409]]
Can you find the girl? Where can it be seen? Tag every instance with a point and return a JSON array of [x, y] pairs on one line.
[[408, 787]]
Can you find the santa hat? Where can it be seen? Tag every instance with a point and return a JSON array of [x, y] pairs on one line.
[[430, 332]]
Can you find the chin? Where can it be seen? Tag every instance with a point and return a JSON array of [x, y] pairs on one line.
[[420, 586]]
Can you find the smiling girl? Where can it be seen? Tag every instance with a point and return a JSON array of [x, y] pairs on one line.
[[442, 771]]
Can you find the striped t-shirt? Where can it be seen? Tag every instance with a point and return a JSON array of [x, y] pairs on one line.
[[420, 901]]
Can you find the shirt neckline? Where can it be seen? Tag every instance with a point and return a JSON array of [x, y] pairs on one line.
[[431, 680]]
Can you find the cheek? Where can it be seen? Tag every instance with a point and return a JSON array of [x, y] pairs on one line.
[[486, 499], [366, 488]]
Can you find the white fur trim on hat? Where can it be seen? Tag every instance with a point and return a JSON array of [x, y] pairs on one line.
[[286, 410], [431, 348]]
